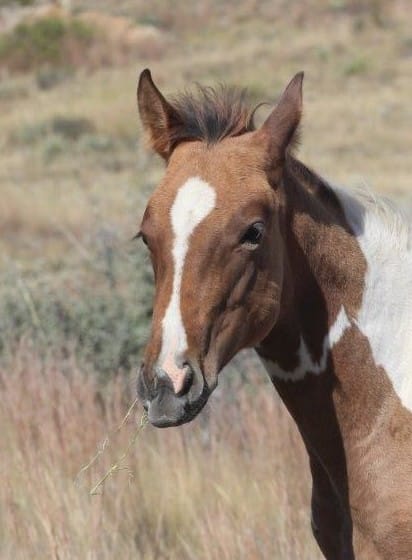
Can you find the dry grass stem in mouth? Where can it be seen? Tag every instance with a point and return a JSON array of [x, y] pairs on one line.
[[118, 464]]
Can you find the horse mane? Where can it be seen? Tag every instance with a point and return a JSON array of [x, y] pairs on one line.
[[211, 114], [392, 226]]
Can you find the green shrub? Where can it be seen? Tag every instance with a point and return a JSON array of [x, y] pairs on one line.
[[47, 77], [65, 127], [356, 66], [30, 133], [97, 143], [45, 41], [19, 2], [71, 128], [104, 319], [53, 146]]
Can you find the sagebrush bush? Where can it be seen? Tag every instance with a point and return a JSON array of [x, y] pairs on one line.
[[45, 41], [104, 319], [67, 127], [48, 77]]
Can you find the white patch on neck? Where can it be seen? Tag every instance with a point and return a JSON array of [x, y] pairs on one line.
[[193, 202], [385, 316], [306, 362]]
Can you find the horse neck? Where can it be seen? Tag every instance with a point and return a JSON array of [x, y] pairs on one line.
[[322, 356], [323, 270]]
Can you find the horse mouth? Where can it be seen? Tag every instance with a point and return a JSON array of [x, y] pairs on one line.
[[174, 411], [165, 408]]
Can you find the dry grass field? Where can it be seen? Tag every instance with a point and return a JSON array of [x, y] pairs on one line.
[[75, 290], [233, 485]]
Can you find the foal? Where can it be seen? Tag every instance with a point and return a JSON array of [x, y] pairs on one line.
[[250, 248]]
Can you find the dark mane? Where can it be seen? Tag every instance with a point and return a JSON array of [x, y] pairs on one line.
[[211, 114]]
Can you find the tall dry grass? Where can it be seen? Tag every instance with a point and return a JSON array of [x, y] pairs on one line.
[[233, 484]]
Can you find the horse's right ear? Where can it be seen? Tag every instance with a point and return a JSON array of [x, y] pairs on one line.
[[158, 116]]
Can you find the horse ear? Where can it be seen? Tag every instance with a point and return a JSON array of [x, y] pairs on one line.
[[158, 115], [280, 128]]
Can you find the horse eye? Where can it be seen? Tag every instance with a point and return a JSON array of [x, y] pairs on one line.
[[253, 235]]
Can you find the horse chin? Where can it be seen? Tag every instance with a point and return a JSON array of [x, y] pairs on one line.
[[170, 411], [170, 421]]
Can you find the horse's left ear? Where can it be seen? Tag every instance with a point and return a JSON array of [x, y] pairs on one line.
[[157, 114], [280, 128]]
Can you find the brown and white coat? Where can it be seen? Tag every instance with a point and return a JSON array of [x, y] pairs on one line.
[[250, 248]]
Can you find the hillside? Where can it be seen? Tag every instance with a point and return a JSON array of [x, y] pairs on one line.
[[75, 290]]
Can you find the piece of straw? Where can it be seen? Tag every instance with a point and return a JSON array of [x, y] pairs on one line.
[[118, 464]]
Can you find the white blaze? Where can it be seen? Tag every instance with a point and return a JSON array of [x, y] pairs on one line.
[[194, 201]]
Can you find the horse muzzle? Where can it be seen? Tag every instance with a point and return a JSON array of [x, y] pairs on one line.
[[164, 407]]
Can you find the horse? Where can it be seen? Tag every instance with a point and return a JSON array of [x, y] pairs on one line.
[[252, 248]]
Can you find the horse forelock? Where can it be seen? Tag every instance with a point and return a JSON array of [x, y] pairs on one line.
[[211, 114]]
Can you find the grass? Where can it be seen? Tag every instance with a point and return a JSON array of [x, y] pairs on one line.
[[231, 485], [75, 291]]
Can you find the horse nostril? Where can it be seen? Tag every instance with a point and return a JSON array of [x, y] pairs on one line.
[[188, 381], [146, 385], [178, 380]]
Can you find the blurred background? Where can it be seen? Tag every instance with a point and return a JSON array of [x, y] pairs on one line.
[[75, 290]]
